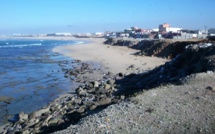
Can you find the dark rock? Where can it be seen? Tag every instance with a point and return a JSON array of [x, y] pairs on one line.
[[209, 88], [120, 74], [15, 118]]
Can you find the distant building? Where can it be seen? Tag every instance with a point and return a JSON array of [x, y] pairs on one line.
[[98, 34], [163, 27], [59, 34], [166, 28], [129, 30], [155, 30], [134, 28], [211, 32]]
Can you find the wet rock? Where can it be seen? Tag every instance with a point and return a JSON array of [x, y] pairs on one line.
[[15, 118]]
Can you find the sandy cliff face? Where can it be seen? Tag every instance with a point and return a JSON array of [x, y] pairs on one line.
[[160, 48]]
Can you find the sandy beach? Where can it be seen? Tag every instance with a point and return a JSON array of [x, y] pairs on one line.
[[113, 58]]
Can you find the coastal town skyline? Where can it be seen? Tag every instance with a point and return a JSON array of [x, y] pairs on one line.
[[91, 16]]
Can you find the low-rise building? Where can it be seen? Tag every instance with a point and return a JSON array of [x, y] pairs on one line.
[[59, 34], [211, 32], [166, 27]]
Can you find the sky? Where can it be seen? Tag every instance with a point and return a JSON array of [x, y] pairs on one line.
[[82, 16]]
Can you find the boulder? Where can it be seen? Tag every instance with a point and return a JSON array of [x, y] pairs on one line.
[[104, 101], [95, 84]]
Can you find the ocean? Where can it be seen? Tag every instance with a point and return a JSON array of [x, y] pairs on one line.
[[30, 75]]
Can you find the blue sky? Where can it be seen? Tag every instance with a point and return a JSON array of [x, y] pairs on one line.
[[77, 16]]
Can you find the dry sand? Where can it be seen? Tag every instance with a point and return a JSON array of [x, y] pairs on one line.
[[113, 58]]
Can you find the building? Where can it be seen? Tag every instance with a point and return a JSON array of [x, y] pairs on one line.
[[211, 32], [166, 28], [59, 34], [163, 27]]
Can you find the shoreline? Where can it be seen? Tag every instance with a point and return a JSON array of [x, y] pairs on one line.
[[86, 53], [122, 103]]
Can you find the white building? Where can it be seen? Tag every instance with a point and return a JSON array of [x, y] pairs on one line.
[[155, 29], [59, 34], [173, 29]]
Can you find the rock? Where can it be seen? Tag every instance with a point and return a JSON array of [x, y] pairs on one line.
[[95, 84], [54, 121], [209, 88], [23, 116], [104, 101], [26, 132], [89, 103], [93, 107], [78, 90], [14, 119], [101, 91], [81, 109], [111, 82], [107, 86], [40, 112], [78, 101], [122, 97], [131, 66], [110, 74], [82, 93], [120, 74]]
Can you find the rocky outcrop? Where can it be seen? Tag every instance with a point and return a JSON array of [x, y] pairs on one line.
[[121, 42], [160, 48], [194, 59], [87, 99]]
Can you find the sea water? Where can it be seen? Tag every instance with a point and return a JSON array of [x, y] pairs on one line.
[[30, 75]]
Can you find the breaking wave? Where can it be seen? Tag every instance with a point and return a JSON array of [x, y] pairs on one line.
[[79, 42], [20, 45]]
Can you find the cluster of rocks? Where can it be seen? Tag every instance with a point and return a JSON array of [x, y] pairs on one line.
[[88, 98], [67, 110], [195, 58]]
